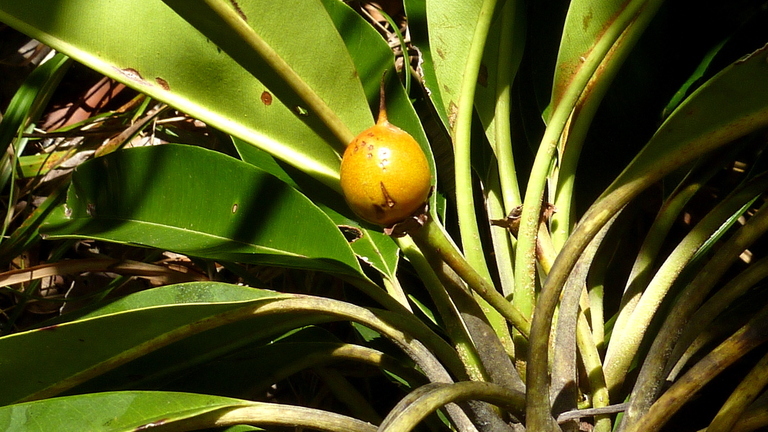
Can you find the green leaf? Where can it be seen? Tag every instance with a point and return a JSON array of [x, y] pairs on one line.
[[163, 332], [584, 28], [200, 203], [124, 330], [371, 245], [369, 51], [730, 105], [449, 41], [132, 411], [509, 51], [114, 411], [416, 11], [151, 53]]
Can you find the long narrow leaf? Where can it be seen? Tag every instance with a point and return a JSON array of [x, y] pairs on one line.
[[201, 203], [159, 53]]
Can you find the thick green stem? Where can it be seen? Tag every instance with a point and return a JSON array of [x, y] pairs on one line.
[[512, 34], [648, 256], [462, 134], [430, 273], [465, 203], [432, 237], [649, 253], [480, 349], [608, 52]]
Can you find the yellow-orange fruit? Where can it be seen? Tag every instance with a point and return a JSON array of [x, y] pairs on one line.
[[384, 174]]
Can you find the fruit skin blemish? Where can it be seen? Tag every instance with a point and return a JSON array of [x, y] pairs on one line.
[[385, 175]]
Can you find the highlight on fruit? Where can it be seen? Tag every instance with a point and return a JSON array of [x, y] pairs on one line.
[[385, 175]]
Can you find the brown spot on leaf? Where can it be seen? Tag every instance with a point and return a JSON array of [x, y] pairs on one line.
[[266, 98], [132, 74], [482, 76], [163, 83], [238, 10], [453, 109], [586, 20]]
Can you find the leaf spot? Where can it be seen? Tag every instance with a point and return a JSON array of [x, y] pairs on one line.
[[266, 98], [163, 83], [238, 10], [133, 75]]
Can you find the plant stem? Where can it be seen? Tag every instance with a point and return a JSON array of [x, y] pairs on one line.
[[275, 415], [617, 40], [512, 32], [412, 410], [462, 138], [314, 102], [478, 345], [652, 371], [465, 204], [502, 188], [624, 345], [432, 237], [691, 338], [428, 272], [747, 391], [754, 333], [641, 272]]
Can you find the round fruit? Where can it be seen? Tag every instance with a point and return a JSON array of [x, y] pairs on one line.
[[384, 174]]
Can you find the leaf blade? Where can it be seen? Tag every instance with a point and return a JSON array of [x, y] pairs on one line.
[[154, 197]]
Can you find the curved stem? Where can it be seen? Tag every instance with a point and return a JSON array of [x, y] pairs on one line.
[[509, 58], [432, 237], [754, 333], [608, 53], [429, 272], [623, 346], [480, 349], [462, 137], [641, 272], [652, 371], [465, 204], [427, 399], [271, 414]]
